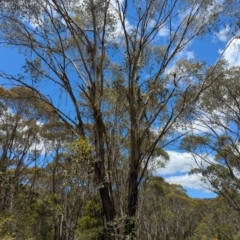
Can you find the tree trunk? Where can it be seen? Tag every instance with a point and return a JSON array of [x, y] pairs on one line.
[[134, 166], [100, 174], [132, 204]]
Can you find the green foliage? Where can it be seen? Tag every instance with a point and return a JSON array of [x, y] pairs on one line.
[[90, 224], [47, 212], [191, 143], [80, 150], [225, 232], [18, 222], [5, 228]]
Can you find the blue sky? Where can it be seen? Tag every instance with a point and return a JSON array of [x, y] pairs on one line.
[[10, 60], [206, 48]]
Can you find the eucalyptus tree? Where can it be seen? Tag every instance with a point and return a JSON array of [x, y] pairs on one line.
[[85, 50], [63, 186], [42, 183], [216, 147], [19, 143], [20, 158]]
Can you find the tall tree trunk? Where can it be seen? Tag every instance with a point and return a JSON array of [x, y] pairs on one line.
[[132, 203], [134, 166], [100, 174]]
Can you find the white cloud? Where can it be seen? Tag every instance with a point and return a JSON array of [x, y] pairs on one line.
[[177, 171], [232, 52], [223, 34], [178, 163], [188, 181], [163, 32], [205, 123], [119, 32], [196, 127], [185, 54]]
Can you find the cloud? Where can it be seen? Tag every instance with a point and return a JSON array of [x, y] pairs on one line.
[[177, 171], [119, 32], [185, 54], [223, 34], [188, 181], [232, 52], [178, 163], [163, 30], [205, 123]]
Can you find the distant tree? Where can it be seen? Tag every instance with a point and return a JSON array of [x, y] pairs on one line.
[[20, 161], [45, 171], [90, 223], [216, 221], [217, 149], [167, 212], [19, 143]]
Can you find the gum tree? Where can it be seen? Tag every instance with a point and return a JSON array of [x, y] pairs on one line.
[[216, 150], [113, 63]]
